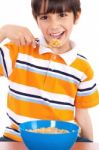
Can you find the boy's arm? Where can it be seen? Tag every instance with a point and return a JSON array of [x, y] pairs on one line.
[[8, 53], [82, 117], [17, 34]]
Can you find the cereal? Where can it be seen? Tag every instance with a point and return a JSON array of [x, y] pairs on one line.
[[49, 130], [54, 43]]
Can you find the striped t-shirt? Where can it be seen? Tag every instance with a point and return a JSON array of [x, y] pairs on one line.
[[43, 85]]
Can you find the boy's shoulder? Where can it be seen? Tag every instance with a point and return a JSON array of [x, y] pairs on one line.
[[83, 62], [82, 59]]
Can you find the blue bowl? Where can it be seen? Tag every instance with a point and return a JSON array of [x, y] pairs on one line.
[[45, 141]]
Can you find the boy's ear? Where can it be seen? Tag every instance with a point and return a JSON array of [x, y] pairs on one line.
[[77, 17]]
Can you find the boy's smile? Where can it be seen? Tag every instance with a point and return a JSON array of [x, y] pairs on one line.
[[57, 26], [56, 35]]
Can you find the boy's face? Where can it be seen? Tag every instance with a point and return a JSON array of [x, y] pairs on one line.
[[57, 26]]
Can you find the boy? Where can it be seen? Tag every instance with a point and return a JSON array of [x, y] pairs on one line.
[[47, 80]]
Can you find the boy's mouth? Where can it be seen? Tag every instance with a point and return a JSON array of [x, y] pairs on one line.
[[56, 35]]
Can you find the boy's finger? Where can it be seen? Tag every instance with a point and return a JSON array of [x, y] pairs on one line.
[[28, 39], [23, 41], [34, 43], [29, 35]]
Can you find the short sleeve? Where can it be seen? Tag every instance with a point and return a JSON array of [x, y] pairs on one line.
[[8, 55], [87, 94]]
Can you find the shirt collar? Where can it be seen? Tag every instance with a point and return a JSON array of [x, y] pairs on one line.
[[68, 57]]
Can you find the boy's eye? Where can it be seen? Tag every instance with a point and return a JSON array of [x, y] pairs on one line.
[[63, 14], [45, 17]]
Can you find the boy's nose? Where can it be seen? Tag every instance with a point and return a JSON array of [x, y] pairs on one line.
[[54, 24]]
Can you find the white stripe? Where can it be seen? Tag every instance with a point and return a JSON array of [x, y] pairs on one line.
[[41, 101], [7, 59], [51, 64], [12, 132], [86, 93], [87, 84], [62, 107], [19, 118], [42, 93], [32, 60]]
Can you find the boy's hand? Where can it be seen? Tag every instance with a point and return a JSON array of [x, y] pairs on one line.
[[17, 34]]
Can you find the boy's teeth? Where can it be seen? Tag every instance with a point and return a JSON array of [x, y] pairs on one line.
[[55, 35]]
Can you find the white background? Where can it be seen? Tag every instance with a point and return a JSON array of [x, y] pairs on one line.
[[86, 34]]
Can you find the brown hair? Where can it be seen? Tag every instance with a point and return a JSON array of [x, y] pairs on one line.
[[55, 6]]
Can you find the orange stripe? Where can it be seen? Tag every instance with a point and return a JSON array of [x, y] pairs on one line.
[[30, 51], [80, 64], [43, 82], [37, 110], [87, 101], [14, 127], [1, 71], [13, 52], [12, 136], [64, 115], [27, 78], [55, 85]]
